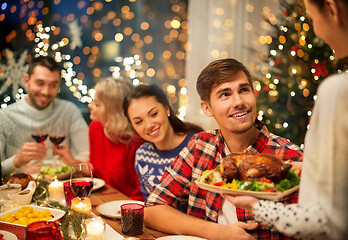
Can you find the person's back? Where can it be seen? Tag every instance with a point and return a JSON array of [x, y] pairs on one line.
[[113, 142]]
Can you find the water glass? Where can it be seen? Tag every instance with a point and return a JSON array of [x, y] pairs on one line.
[[132, 218]]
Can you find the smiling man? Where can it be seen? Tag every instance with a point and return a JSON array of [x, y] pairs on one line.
[[37, 113], [226, 91]]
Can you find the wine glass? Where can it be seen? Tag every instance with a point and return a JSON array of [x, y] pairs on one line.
[[39, 132], [57, 132], [39, 137], [81, 180]]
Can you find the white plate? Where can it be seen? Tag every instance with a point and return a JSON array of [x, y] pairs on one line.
[[56, 213], [263, 195], [8, 235], [98, 183], [180, 237], [113, 209]]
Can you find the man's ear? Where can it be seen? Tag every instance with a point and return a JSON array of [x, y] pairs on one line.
[[206, 108], [26, 80]]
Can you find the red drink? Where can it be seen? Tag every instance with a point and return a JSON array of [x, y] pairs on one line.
[[132, 217], [40, 138], [82, 188], [56, 140], [43, 230]]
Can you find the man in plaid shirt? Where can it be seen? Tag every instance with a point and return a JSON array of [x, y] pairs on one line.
[[226, 91]]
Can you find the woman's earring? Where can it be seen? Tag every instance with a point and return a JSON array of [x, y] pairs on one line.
[[168, 114]]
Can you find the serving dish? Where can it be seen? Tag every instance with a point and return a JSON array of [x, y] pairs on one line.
[[262, 195], [19, 230]]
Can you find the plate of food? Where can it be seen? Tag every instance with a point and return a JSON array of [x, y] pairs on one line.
[[259, 175], [113, 209], [5, 235]]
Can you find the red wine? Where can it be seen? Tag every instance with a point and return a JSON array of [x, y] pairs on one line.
[[82, 188], [40, 138], [57, 139]]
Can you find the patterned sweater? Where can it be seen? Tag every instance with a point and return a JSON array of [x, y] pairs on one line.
[[150, 163]]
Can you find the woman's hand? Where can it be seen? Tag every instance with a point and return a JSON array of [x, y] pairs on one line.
[[245, 202]]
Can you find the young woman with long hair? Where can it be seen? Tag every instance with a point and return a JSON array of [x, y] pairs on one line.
[[149, 111]]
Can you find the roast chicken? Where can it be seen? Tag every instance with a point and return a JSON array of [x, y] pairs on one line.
[[22, 179], [247, 167]]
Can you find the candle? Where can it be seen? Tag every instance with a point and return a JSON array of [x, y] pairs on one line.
[[56, 191], [81, 205], [95, 229]]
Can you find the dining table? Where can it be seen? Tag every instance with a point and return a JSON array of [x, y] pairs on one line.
[[107, 194]]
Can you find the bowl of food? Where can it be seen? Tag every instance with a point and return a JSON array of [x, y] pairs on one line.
[[16, 219], [60, 172]]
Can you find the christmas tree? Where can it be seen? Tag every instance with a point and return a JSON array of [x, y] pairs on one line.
[[294, 66]]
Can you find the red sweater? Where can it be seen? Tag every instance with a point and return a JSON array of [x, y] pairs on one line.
[[114, 162]]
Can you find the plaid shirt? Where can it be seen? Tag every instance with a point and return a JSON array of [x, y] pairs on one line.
[[203, 152]]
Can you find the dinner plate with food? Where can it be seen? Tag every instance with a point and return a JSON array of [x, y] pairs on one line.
[[259, 175]]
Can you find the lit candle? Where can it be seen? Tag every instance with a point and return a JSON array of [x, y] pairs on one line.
[[95, 229], [81, 205], [56, 191]]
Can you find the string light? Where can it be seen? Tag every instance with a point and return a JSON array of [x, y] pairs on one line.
[[75, 85]]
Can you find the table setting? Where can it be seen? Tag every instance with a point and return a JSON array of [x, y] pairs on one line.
[[43, 195], [81, 206]]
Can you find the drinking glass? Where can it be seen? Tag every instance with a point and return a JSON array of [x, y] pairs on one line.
[[44, 230], [57, 132], [81, 179], [40, 134], [39, 131], [132, 218]]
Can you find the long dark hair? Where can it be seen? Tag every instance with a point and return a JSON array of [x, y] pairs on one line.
[[145, 90]]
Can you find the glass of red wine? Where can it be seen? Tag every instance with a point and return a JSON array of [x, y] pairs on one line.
[[57, 132], [81, 180], [40, 134]]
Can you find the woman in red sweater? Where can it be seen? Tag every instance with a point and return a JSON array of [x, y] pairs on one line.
[[112, 140]]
